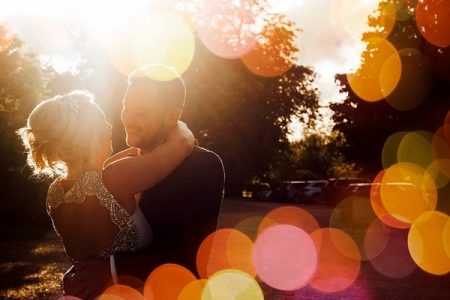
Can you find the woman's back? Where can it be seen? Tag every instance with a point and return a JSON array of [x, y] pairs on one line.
[[89, 220]]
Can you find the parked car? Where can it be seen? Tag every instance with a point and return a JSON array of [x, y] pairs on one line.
[[258, 191], [300, 191], [338, 188], [360, 189], [313, 191], [343, 183], [286, 191]]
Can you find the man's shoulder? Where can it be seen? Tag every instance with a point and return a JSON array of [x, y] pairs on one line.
[[202, 161], [200, 154]]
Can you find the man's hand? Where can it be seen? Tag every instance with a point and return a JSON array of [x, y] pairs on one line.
[[87, 279]]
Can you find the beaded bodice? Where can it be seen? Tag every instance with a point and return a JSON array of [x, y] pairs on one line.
[[90, 183]]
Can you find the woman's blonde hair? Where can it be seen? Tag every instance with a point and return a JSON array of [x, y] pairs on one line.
[[62, 131]]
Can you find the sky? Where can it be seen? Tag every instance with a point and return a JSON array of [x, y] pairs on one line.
[[329, 41]]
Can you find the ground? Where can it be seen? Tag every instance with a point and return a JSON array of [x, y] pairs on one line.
[[31, 267]]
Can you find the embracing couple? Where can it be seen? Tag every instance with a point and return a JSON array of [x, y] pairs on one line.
[[121, 216]]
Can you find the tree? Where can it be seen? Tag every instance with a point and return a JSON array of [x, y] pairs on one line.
[[316, 156], [368, 125], [22, 85]]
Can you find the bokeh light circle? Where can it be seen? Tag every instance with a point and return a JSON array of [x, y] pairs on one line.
[[390, 74], [433, 21], [335, 271], [378, 207], [225, 249], [291, 215], [390, 148], [270, 56], [404, 9], [119, 49], [285, 257], [407, 191], [122, 292], [229, 29], [415, 147], [376, 238], [446, 237], [232, 284], [439, 170], [173, 46], [249, 226], [167, 281], [193, 290], [415, 81], [426, 245], [440, 144], [131, 281], [394, 261], [379, 72], [386, 21], [354, 216]]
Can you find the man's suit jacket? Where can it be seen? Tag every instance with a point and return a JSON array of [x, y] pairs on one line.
[[181, 210]]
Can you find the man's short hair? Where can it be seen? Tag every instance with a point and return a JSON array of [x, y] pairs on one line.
[[172, 92]]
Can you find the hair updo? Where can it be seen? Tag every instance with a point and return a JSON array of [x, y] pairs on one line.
[[62, 131]]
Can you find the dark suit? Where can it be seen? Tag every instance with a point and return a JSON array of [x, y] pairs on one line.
[[181, 210]]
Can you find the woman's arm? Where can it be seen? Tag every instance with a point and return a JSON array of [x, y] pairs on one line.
[[122, 154], [131, 175]]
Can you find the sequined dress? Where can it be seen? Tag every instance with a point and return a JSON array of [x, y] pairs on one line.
[[134, 231]]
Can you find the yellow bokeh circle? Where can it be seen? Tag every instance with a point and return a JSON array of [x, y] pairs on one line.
[[193, 290], [426, 245], [232, 284], [390, 148], [439, 169], [446, 237], [379, 72], [163, 39], [407, 191], [415, 147]]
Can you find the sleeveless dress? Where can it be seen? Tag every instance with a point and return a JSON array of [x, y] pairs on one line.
[[134, 231]]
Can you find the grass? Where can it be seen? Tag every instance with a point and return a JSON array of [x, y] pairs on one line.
[[32, 263]]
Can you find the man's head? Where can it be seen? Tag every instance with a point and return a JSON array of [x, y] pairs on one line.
[[151, 107]]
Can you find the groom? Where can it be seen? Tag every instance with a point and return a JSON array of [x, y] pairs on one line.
[[182, 210]]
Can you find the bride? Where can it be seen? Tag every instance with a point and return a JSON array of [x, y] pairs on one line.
[[92, 201]]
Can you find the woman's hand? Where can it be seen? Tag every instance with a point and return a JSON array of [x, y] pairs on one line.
[[150, 168], [181, 134]]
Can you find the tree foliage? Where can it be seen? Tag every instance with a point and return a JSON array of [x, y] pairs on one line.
[[316, 156], [22, 83], [368, 125], [241, 116]]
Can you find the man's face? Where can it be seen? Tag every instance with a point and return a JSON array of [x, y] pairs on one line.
[[143, 116]]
